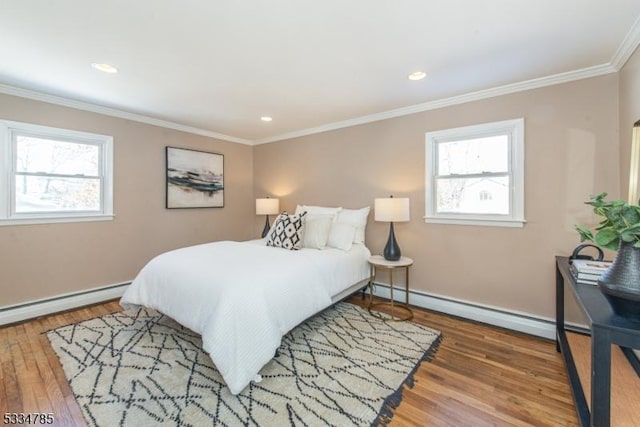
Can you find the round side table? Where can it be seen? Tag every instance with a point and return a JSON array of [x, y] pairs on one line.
[[378, 262]]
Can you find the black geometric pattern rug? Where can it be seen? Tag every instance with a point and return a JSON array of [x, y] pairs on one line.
[[343, 367]]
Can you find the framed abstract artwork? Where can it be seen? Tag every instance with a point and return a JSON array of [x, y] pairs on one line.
[[195, 179]]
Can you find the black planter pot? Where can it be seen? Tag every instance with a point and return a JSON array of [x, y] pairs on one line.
[[620, 284]]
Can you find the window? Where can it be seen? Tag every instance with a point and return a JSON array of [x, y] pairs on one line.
[[54, 175], [485, 195], [475, 175]]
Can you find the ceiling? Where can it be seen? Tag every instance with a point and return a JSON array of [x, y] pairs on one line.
[[216, 66]]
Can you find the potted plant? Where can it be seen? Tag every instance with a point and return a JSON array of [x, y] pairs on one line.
[[619, 230]]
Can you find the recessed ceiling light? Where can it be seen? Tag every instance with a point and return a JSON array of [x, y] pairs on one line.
[[105, 68], [418, 75], [266, 118]]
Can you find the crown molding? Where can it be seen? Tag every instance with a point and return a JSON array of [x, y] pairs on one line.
[[627, 47], [584, 73], [86, 106]]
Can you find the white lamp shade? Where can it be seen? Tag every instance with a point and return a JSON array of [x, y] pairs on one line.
[[392, 209], [267, 206]]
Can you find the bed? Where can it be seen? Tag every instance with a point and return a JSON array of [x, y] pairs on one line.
[[243, 297]]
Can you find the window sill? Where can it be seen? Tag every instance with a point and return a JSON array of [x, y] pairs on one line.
[[483, 222], [55, 219]]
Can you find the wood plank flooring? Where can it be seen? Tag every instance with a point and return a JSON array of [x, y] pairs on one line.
[[480, 376]]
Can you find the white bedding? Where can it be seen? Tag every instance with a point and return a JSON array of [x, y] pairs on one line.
[[243, 297]]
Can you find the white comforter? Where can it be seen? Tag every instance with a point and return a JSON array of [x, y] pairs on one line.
[[243, 297]]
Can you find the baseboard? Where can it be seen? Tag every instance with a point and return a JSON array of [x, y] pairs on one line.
[[513, 320], [33, 309], [521, 322]]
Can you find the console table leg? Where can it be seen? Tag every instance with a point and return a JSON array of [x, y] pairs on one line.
[[559, 306], [600, 377]]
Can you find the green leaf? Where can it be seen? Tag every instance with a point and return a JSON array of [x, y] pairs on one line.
[[613, 246], [585, 234], [597, 200], [630, 215], [631, 234], [606, 236]]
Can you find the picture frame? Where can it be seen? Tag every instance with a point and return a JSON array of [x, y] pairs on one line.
[[194, 179], [634, 166]]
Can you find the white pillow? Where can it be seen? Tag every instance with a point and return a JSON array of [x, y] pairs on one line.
[[357, 218], [316, 231], [341, 236], [317, 210]]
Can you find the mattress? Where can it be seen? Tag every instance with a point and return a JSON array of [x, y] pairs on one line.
[[243, 297]]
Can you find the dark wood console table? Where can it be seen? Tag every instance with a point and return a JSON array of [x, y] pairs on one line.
[[606, 329]]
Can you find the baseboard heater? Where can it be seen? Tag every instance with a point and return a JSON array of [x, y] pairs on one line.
[[37, 308], [513, 320]]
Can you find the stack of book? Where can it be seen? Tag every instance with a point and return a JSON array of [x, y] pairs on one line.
[[588, 272]]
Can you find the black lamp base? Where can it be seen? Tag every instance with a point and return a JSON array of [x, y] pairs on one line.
[[266, 228], [391, 249]]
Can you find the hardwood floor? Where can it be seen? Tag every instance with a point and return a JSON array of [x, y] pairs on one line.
[[480, 375]]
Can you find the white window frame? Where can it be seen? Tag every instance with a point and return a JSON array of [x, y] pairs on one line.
[[8, 215], [514, 129]]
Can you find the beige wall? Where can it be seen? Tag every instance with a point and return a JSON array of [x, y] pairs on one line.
[[568, 127], [629, 114], [571, 152], [40, 261]]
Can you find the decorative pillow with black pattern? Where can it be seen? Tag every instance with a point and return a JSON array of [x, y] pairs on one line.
[[286, 232]]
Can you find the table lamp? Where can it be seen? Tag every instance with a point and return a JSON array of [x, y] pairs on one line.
[[267, 207], [392, 210]]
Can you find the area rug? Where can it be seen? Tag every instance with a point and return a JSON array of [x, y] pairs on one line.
[[343, 367]]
